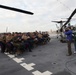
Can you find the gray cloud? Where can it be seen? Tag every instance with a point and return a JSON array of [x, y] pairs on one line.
[[44, 12]]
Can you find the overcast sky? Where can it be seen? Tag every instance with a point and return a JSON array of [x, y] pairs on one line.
[[44, 11]]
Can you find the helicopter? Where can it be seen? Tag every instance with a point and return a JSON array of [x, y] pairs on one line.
[[67, 22], [16, 9], [61, 24]]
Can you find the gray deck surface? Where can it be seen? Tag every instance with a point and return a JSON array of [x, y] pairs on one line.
[[50, 57]]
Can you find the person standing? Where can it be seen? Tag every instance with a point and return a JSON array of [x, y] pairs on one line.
[[2, 42], [74, 37], [68, 33]]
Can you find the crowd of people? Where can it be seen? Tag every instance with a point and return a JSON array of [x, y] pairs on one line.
[[17, 42]]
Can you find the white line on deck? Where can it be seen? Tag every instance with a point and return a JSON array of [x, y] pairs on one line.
[[18, 60], [28, 67], [44, 73]]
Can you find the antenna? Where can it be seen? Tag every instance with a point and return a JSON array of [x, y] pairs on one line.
[[6, 29]]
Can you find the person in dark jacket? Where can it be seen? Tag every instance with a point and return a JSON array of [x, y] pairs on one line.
[[68, 33], [74, 38], [2, 43]]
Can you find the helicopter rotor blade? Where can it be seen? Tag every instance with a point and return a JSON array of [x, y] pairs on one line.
[[70, 18], [59, 21], [16, 9], [54, 21]]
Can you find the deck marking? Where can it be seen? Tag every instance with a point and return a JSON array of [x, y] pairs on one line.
[[18, 60], [44, 73], [11, 56], [28, 66]]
